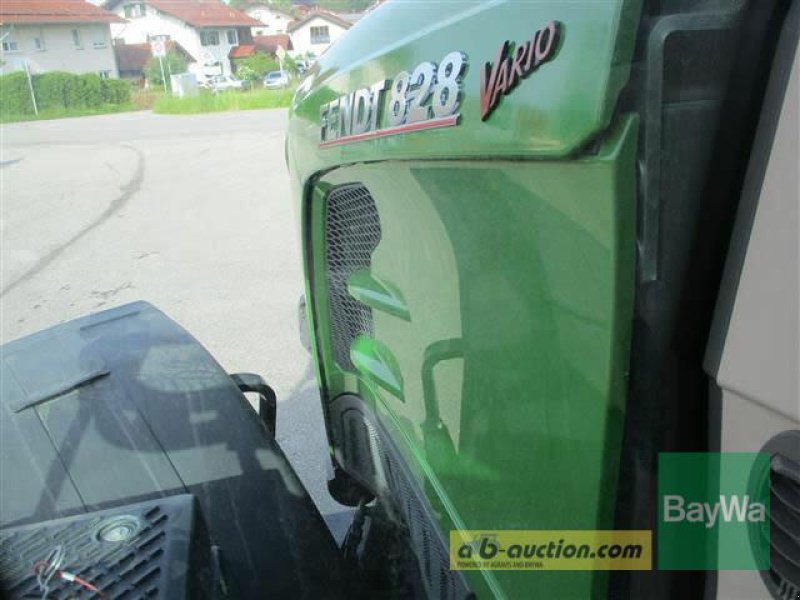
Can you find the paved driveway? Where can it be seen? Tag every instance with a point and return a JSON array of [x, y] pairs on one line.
[[191, 213]]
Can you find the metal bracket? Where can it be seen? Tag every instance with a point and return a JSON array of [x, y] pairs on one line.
[[267, 401]]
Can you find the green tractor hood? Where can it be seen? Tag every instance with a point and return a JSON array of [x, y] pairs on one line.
[[466, 195]]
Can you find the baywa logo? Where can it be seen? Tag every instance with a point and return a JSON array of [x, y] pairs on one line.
[[713, 511], [729, 509]]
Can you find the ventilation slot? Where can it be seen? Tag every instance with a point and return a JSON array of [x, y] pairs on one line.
[[784, 531], [431, 548], [352, 232], [389, 478], [120, 570], [783, 577]]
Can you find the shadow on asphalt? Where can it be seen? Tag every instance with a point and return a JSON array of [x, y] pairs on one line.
[[305, 443]]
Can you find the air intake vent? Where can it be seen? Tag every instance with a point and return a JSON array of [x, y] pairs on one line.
[[138, 551], [783, 577], [352, 232], [371, 456]]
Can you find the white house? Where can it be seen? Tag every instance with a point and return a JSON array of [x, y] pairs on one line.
[[208, 30], [314, 33], [70, 35], [273, 20]]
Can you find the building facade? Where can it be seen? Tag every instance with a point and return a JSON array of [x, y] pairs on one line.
[[273, 20], [207, 30], [40, 36], [314, 33]]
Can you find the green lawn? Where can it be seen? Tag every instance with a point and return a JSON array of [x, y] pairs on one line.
[[63, 113], [206, 102]]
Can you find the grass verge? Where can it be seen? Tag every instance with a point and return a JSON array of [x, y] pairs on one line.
[[206, 102], [64, 113]]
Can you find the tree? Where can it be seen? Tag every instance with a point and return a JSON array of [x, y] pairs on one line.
[[260, 63], [174, 63], [247, 74], [286, 5], [290, 65], [344, 5]]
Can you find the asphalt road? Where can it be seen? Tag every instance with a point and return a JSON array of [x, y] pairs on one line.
[[191, 213]]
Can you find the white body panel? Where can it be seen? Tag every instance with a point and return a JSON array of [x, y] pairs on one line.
[[758, 357]]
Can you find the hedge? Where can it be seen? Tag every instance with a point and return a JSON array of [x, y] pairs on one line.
[[58, 90]]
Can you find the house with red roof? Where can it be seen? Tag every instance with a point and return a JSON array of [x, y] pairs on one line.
[[209, 31], [56, 35], [133, 58], [274, 20], [269, 44], [266, 44], [316, 31]]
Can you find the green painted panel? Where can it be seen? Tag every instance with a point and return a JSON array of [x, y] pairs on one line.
[[553, 112], [518, 280]]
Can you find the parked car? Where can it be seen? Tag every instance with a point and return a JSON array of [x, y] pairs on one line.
[[220, 83], [276, 79]]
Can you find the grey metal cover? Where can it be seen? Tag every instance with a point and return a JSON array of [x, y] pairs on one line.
[[166, 535], [125, 405]]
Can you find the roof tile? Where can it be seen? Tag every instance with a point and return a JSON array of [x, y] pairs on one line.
[[204, 13], [54, 11]]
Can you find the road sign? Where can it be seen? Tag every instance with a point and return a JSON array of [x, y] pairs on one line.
[[158, 48]]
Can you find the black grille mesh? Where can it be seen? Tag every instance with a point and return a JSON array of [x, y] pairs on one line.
[[352, 231], [784, 531], [782, 579], [120, 570], [371, 456]]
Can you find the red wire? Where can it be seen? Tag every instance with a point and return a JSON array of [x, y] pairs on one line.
[[42, 564], [89, 586], [39, 565]]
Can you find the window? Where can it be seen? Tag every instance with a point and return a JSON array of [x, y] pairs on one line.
[[104, 74], [10, 46], [38, 44], [320, 35], [76, 38], [99, 38], [233, 39], [133, 11], [209, 38]]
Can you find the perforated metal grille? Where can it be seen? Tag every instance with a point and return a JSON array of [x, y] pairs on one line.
[[427, 541], [371, 455], [120, 570], [352, 231], [783, 480], [784, 535]]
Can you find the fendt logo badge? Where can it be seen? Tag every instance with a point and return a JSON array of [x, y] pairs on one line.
[[511, 67], [427, 98]]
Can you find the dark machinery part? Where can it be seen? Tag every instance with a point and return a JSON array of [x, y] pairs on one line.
[[125, 406]]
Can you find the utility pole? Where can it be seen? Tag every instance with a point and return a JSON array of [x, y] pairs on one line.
[[163, 76], [159, 48], [30, 86]]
